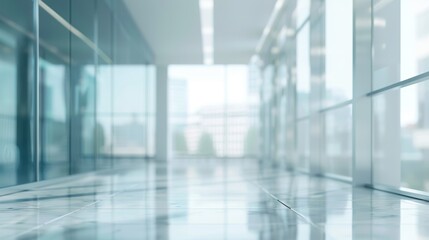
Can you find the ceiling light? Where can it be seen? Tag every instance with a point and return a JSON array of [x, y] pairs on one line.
[[207, 30], [266, 31], [279, 5], [206, 4], [274, 18]]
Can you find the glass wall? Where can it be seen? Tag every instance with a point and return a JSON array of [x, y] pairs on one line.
[[55, 73], [303, 71], [401, 64], [311, 109], [133, 89], [17, 91], [355, 99], [414, 136], [213, 111], [337, 143], [400, 137], [75, 77], [338, 52]]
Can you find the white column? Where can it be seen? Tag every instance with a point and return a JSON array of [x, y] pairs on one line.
[[162, 140], [317, 86], [362, 84]]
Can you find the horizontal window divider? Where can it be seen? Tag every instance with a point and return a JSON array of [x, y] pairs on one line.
[[307, 20], [75, 31], [317, 16], [120, 114], [118, 156], [336, 106], [31, 36], [300, 119], [404, 83], [302, 170], [406, 192], [327, 109]]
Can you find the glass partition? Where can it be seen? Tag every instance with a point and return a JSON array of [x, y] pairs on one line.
[[337, 153], [339, 52], [61, 98], [212, 111], [414, 135], [17, 91], [303, 71]]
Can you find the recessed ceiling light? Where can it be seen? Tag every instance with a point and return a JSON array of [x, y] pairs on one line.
[[206, 4], [207, 30]]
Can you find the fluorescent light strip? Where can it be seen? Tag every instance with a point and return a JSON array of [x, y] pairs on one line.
[[207, 30], [75, 31], [206, 4], [269, 27]]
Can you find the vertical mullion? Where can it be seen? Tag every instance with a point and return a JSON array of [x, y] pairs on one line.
[[37, 137], [96, 68]]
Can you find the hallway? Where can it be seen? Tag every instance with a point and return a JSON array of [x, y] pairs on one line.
[[142, 119], [208, 199]]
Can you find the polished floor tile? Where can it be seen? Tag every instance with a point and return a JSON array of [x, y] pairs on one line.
[[229, 199]]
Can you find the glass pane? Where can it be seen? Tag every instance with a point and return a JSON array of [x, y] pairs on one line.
[[386, 139], [129, 133], [400, 138], [337, 157], [386, 43], [302, 11], [197, 107], [105, 21], [303, 144], [339, 51], [238, 110], [55, 98], [303, 71], [129, 89], [415, 137], [414, 36], [103, 127], [17, 89], [104, 116], [268, 81], [83, 92], [211, 111], [282, 77], [400, 40], [129, 110], [104, 140]]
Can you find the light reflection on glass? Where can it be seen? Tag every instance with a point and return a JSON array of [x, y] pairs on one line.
[[415, 136], [213, 111], [337, 158], [303, 144], [339, 51], [303, 71]]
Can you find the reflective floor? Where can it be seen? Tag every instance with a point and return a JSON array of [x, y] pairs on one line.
[[209, 199]]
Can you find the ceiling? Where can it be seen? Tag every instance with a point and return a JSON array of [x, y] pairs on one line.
[[173, 29]]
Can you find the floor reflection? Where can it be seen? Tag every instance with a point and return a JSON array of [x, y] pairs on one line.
[[229, 199]]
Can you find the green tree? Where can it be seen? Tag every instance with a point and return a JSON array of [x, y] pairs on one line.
[[251, 142], [206, 145], [179, 142]]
